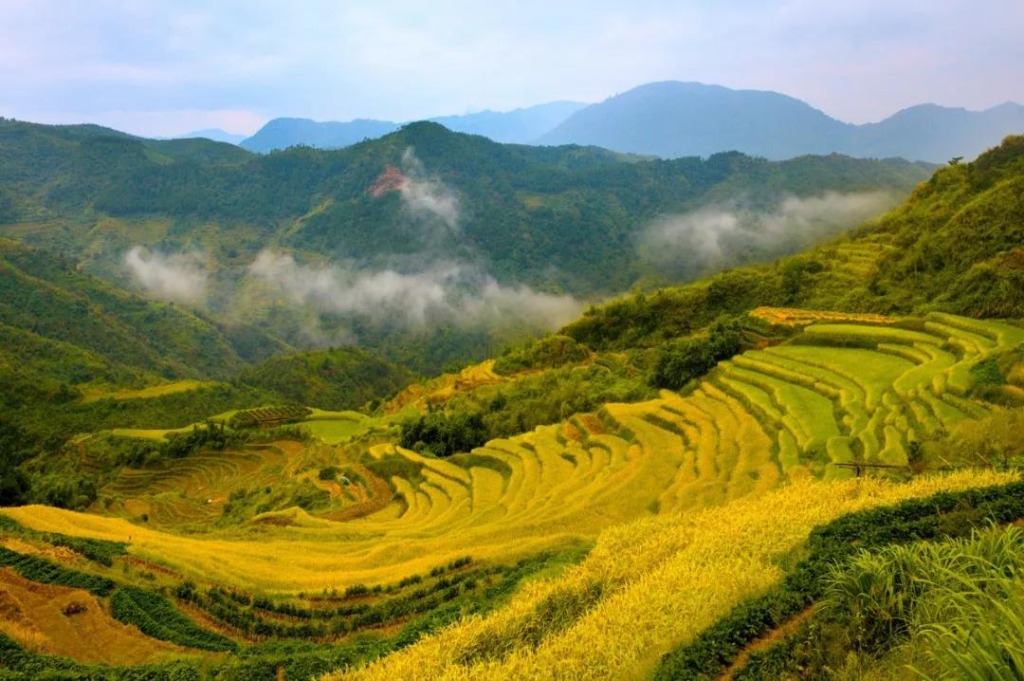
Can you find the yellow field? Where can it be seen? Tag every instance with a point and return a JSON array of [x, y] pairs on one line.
[[647, 586], [761, 419], [33, 615], [151, 391], [789, 316]]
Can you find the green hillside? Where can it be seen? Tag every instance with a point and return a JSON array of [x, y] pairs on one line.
[[342, 378], [731, 476], [51, 298], [500, 220], [954, 246], [527, 210]]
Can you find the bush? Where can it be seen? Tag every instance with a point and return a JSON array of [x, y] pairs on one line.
[[45, 571], [682, 361], [155, 616], [444, 434]]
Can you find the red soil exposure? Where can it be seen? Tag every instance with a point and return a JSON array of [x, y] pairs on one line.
[[391, 180], [1014, 260]]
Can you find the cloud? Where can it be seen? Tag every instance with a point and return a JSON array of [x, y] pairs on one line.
[[341, 60], [427, 198], [725, 235], [179, 277], [443, 292]]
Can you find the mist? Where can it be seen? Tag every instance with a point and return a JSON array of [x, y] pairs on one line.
[[441, 284], [726, 235], [177, 277], [442, 292], [425, 197]]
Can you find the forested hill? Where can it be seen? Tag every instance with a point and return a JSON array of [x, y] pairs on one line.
[[955, 245], [49, 299], [555, 218]]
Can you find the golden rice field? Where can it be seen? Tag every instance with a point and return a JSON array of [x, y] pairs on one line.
[[856, 393], [444, 387], [647, 586], [34, 615], [791, 316], [168, 388]]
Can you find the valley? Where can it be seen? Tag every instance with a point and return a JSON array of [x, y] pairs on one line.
[[674, 472]]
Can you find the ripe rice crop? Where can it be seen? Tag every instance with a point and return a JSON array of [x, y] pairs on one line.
[[647, 586]]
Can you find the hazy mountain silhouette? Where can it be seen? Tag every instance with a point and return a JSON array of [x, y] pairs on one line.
[[672, 119], [518, 126]]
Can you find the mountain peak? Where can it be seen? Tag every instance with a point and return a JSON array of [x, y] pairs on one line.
[[674, 118]]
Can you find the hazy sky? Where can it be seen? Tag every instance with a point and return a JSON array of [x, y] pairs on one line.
[[162, 67]]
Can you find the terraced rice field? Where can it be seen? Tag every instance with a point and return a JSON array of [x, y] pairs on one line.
[[647, 586], [190, 494], [35, 615], [442, 388], [846, 392]]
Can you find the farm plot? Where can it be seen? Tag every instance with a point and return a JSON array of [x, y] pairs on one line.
[[196, 492], [647, 586], [852, 392], [70, 622]]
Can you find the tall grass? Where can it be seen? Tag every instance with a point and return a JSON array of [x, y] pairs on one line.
[[955, 608]]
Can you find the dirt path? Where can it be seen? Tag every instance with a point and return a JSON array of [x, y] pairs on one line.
[[767, 641]]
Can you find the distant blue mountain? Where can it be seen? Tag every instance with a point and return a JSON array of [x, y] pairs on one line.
[[519, 126], [929, 132], [281, 133], [672, 119], [215, 134]]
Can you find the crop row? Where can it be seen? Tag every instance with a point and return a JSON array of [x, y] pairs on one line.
[[261, 416], [156, 616], [940, 516], [48, 572]]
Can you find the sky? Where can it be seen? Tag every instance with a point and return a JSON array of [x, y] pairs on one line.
[[167, 67]]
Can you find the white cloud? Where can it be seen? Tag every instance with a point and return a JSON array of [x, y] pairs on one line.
[[179, 277], [425, 197], [724, 235], [440, 293]]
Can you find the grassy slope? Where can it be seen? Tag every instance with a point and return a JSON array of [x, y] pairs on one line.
[[953, 246], [796, 407], [767, 417]]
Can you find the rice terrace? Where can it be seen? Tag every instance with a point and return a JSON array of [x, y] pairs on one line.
[[374, 537], [681, 383]]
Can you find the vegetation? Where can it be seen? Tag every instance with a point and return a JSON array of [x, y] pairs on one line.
[[944, 609], [664, 429], [156, 617], [908, 260], [342, 378], [48, 572], [684, 360]]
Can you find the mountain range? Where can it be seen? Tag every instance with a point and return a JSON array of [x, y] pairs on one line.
[[654, 450], [674, 119], [422, 230], [518, 126]]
